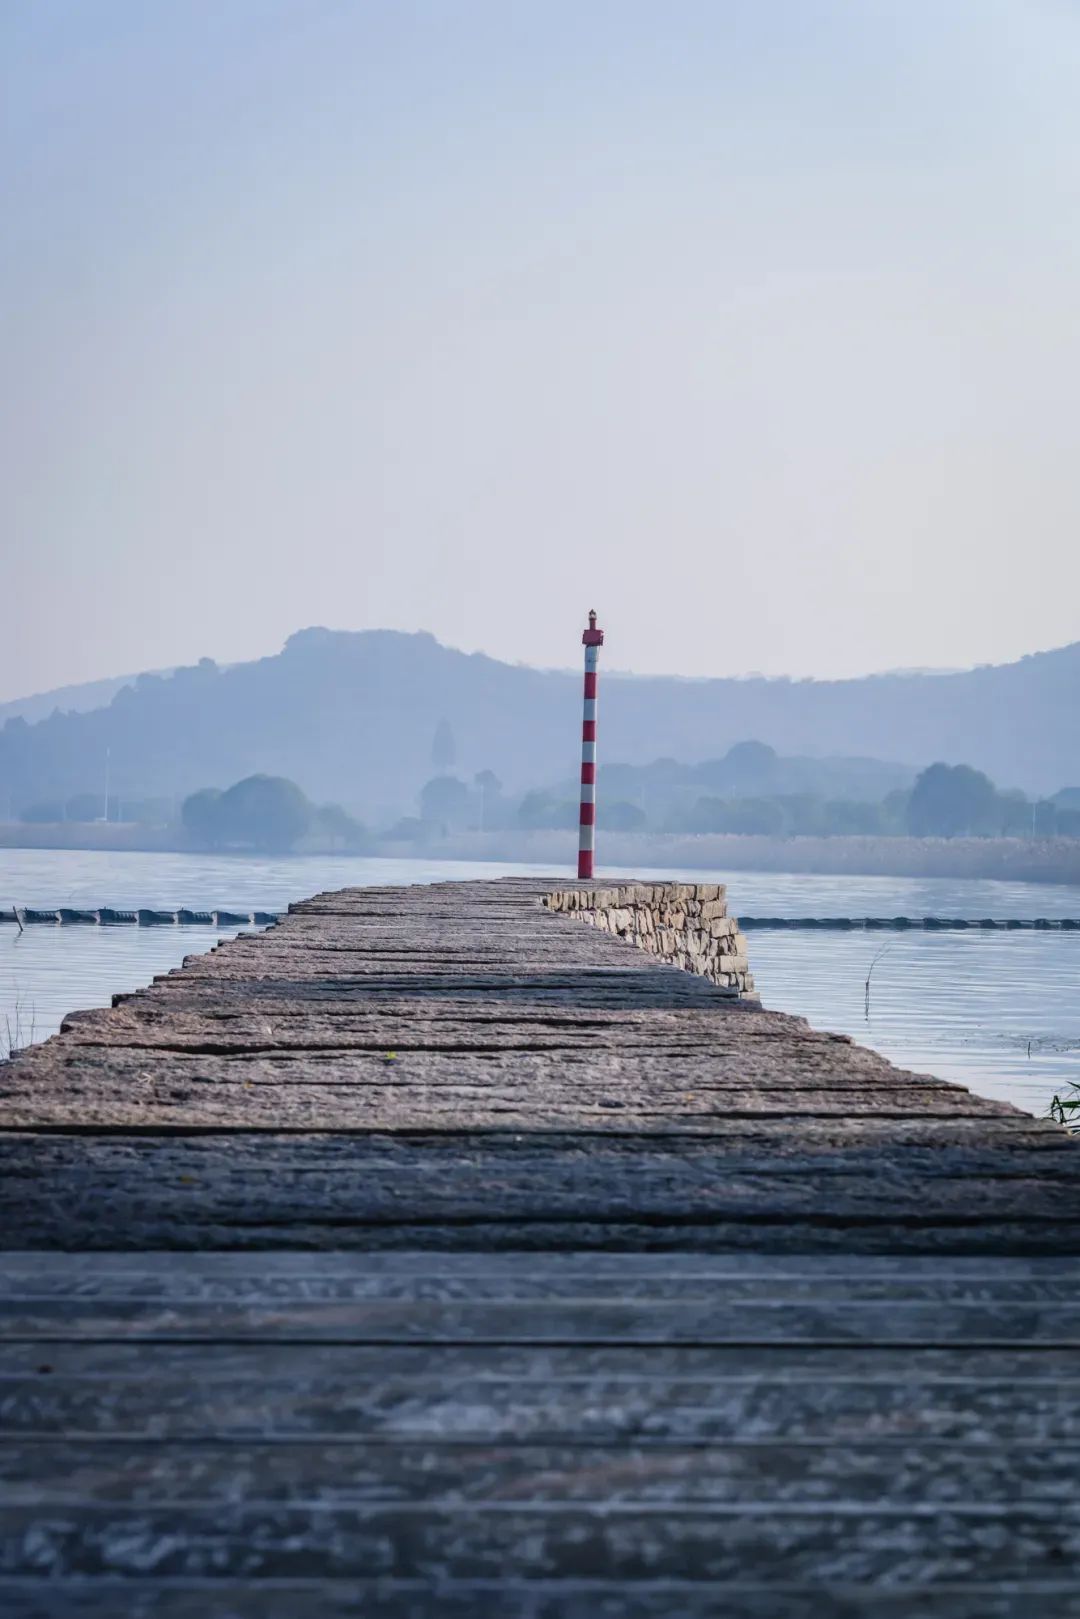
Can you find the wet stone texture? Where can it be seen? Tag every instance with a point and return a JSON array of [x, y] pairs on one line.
[[433, 1254]]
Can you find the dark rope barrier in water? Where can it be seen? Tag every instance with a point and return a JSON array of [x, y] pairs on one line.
[[105, 916], [928, 924], [143, 917]]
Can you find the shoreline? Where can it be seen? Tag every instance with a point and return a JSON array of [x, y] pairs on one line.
[[1044, 860]]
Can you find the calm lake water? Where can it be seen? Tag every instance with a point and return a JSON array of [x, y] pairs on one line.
[[998, 1012]]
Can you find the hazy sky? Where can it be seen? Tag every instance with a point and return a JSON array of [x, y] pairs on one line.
[[754, 322]]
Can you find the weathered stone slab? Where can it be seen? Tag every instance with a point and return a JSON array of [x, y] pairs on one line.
[[685, 924], [616, 1542], [341, 1472], [604, 1295], [507, 1598]]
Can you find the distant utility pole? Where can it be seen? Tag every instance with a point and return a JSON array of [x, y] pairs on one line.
[[592, 640]]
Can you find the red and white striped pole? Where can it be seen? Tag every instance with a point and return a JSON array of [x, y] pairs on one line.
[[592, 640]]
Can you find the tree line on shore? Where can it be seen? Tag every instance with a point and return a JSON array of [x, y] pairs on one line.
[[270, 814], [943, 801], [753, 792]]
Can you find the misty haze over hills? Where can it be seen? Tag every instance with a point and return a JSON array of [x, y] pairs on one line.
[[68, 699], [351, 716]]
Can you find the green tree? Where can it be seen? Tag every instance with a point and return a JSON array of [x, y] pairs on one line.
[[894, 812], [1044, 818], [1014, 814], [803, 813], [340, 828], [410, 829], [200, 815], [621, 816], [707, 815], [849, 817], [489, 787], [758, 817], [748, 816], [445, 800], [750, 764], [264, 812], [950, 800], [540, 811]]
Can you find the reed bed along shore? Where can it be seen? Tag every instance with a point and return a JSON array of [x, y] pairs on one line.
[[1044, 860], [1033, 860]]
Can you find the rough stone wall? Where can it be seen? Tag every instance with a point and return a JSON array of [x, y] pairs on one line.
[[685, 924]]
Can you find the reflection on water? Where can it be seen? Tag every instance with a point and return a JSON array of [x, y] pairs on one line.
[[996, 1012], [47, 972]]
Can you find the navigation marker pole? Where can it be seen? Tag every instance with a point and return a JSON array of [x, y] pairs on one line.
[[592, 640]]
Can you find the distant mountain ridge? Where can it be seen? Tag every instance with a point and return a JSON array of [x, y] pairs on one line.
[[76, 699], [351, 717]]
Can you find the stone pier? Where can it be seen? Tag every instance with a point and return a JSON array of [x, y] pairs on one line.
[[434, 1254], [685, 924]]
